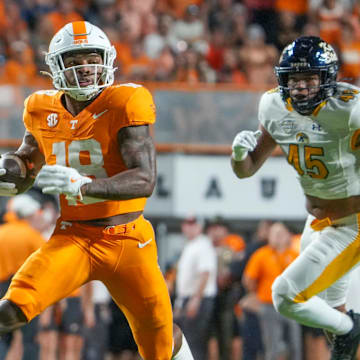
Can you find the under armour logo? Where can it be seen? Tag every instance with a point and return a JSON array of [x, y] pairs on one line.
[[73, 123], [52, 120], [316, 127]]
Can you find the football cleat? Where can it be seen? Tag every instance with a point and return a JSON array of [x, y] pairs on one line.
[[345, 346]]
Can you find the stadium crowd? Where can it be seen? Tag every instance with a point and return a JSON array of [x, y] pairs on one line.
[[191, 41]]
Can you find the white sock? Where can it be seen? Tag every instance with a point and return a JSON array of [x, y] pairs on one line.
[[184, 353]]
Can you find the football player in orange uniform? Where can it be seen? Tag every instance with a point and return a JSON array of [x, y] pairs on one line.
[[92, 143]]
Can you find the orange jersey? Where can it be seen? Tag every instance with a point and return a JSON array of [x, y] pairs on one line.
[[264, 266], [18, 240], [88, 141]]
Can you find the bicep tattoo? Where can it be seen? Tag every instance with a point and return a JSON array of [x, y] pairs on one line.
[[137, 148]]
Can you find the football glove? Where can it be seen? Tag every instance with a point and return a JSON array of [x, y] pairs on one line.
[[57, 179], [6, 188], [244, 142]]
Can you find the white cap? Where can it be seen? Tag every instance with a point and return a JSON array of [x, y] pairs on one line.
[[23, 205]]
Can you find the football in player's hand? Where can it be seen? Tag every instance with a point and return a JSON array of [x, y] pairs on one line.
[[16, 170]]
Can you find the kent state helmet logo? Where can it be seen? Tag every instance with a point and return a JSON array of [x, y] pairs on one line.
[[302, 138], [52, 120]]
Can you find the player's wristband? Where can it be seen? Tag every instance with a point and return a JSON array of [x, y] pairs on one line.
[[239, 155]]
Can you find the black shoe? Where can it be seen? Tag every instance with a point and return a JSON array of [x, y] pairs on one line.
[[345, 346]]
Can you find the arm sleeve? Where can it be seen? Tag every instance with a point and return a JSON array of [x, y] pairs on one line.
[[140, 108], [262, 113]]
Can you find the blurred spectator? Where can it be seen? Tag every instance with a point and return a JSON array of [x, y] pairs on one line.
[[190, 30], [251, 333], [349, 47], [15, 27], [257, 58], [329, 16], [139, 66], [311, 29], [176, 8], [157, 37], [65, 12], [141, 7], [41, 36], [187, 67], [262, 12], [34, 10], [300, 9], [131, 20], [231, 72], [228, 246], [196, 287], [263, 267], [238, 26], [97, 329], [216, 50], [106, 14], [62, 327], [287, 29], [170, 278], [20, 68], [164, 65], [19, 238], [122, 345], [220, 16]]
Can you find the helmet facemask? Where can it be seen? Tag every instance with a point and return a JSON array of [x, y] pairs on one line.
[[62, 44]]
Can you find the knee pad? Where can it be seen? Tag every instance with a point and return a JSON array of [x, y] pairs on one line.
[[281, 295]]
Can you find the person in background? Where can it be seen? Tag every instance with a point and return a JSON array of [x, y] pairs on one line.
[[249, 321], [122, 345], [280, 334], [228, 247], [196, 286], [97, 329], [20, 236]]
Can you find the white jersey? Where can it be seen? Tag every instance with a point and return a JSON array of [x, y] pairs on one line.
[[323, 148]]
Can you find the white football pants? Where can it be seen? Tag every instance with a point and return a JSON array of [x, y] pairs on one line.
[[318, 279]]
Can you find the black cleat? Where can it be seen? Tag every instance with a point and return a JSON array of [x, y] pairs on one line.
[[345, 346]]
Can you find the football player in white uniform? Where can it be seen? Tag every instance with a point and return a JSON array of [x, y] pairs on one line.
[[316, 122]]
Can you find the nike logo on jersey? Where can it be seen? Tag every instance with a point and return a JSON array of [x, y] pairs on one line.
[[95, 116], [73, 180], [142, 245]]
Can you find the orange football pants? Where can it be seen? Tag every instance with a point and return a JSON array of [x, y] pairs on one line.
[[123, 257]]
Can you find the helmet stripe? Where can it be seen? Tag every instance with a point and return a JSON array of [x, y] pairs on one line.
[[79, 28]]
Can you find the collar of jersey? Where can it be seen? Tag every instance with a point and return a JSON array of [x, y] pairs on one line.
[[315, 112]]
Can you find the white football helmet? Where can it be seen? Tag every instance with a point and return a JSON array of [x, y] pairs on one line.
[[80, 35]]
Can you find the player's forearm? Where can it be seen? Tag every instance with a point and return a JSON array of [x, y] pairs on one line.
[[130, 184], [30, 153], [244, 168]]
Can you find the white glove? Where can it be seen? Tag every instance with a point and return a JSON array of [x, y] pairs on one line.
[[244, 142], [6, 188], [57, 179]]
